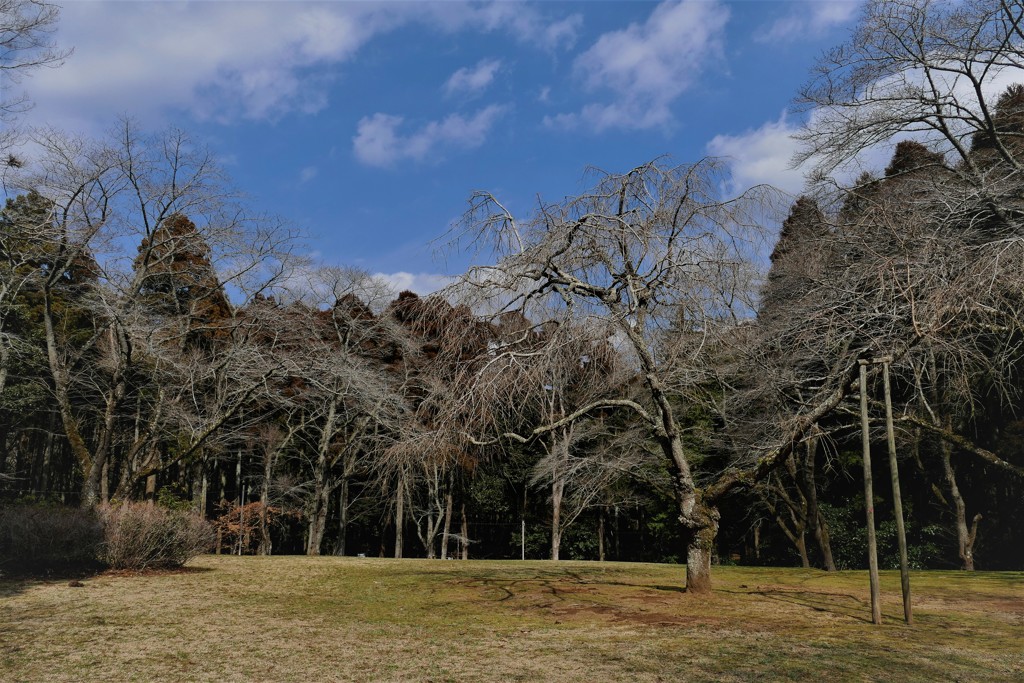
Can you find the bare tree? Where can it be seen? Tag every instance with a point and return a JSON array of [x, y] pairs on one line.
[[107, 197], [942, 73], [337, 349], [25, 45], [662, 262], [931, 70], [913, 266], [442, 342], [790, 495], [538, 374]]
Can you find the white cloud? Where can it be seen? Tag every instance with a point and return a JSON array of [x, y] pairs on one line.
[[308, 174], [229, 60], [420, 283], [891, 110], [648, 66], [378, 142], [810, 18], [764, 154], [525, 23], [761, 156], [217, 60], [472, 80]]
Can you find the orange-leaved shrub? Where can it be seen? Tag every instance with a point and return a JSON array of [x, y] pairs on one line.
[[145, 536]]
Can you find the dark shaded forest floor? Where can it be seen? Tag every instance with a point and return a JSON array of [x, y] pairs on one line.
[[340, 619]]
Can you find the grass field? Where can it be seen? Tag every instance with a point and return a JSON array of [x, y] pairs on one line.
[[341, 619]]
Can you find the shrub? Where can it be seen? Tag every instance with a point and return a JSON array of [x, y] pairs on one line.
[[41, 539], [142, 536], [245, 520]]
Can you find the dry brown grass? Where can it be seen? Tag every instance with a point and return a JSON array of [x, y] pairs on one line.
[[339, 619]]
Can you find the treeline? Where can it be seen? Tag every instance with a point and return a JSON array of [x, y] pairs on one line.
[[617, 381], [150, 353]]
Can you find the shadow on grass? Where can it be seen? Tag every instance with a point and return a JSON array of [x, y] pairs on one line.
[[15, 583], [548, 589], [155, 571], [11, 587], [838, 604]]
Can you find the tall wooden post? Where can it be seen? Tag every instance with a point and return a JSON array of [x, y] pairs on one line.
[[241, 502], [897, 501], [523, 538], [869, 498]]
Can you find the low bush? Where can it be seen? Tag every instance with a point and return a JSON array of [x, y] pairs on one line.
[[142, 536], [43, 539]]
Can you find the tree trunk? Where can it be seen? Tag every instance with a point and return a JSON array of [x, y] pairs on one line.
[[757, 541], [448, 502], [600, 535], [241, 501], [821, 535], [5, 357], [700, 542], [698, 517], [616, 532], [105, 483], [266, 546], [429, 524], [557, 491], [431, 535], [62, 393], [321, 486], [243, 535], [318, 519], [700, 527], [817, 524], [342, 517], [98, 470], [202, 471], [399, 514], [465, 534], [47, 458], [795, 535], [965, 535], [801, 546]]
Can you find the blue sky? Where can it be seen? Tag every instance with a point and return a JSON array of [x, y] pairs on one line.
[[368, 124]]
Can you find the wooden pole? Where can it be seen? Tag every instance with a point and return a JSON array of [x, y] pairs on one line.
[[241, 501], [869, 498], [897, 501], [523, 538]]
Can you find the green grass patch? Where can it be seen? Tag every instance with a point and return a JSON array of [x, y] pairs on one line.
[[341, 619]]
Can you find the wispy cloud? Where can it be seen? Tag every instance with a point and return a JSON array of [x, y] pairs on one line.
[[227, 61], [472, 80], [528, 24], [810, 18], [646, 67], [379, 142], [307, 174]]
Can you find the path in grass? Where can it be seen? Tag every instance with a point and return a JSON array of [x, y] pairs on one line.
[[340, 619]]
